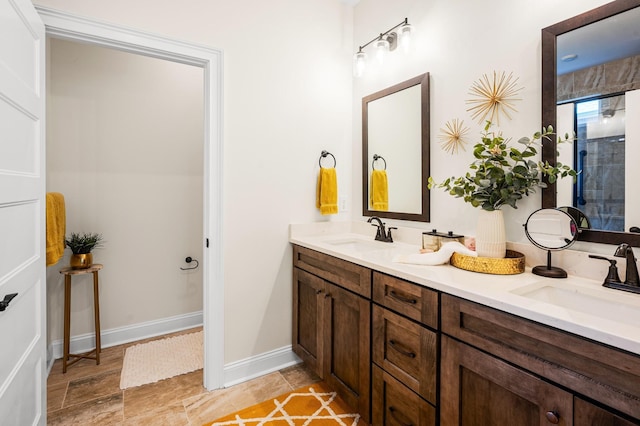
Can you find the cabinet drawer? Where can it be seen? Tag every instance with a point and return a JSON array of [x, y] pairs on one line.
[[602, 373], [407, 350], [411, 300], [394, 404], [346, 274]]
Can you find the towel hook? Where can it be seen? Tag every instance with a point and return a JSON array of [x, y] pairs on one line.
[[190, 259], [377, 157], [324, 154]]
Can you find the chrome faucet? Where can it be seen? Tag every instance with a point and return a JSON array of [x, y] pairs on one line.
[[382, 234], [631, 277]]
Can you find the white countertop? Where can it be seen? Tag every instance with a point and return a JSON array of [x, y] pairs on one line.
[[605, 315]]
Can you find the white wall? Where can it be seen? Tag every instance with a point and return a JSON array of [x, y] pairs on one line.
[[457, 42], [287, 96], [125, 147]]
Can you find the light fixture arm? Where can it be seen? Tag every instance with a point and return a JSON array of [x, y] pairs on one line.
[[405, 22]]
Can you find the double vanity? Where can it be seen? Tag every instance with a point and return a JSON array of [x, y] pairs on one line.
[[425, 345]]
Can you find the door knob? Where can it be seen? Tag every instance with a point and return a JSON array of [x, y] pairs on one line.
[[7, 299]]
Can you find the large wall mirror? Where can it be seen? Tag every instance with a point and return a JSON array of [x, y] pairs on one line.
[[395, 151], [591, 85]]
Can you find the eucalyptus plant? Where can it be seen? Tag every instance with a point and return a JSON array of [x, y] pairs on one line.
[[502, 174], [83, 243]]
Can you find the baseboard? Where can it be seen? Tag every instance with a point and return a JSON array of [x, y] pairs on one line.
[[121, 335], [259, 365], [234, 372]]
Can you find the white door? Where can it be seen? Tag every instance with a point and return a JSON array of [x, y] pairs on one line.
[[22, 221]]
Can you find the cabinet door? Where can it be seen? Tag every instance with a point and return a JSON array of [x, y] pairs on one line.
[[347, 353], [479, 389], [587, 414], [308, 318]]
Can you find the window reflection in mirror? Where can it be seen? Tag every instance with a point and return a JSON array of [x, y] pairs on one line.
[[598, 152]]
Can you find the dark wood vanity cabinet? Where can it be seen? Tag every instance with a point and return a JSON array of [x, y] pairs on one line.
[[332, 323], [497, 368], [405, 352]]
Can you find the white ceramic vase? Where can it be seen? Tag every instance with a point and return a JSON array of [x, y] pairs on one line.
[[491, 238]]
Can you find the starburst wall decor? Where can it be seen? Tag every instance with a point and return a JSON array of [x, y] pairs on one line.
[[493, 97], [453, 136]]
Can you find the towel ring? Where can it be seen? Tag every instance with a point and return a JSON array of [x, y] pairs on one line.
[[323, 155], [377, 157]]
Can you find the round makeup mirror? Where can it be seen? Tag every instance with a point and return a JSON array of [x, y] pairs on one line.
[[551, 230]]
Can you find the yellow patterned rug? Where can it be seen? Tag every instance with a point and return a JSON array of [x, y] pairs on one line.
[[311, 405]]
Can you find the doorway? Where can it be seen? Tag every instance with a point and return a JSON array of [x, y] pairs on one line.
[[74, 28]]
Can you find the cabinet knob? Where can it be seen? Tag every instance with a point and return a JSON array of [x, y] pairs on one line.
[[318, 291], [553, 417]]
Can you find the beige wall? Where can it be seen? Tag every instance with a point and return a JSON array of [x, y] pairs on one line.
[[287, 96], [125, 147]]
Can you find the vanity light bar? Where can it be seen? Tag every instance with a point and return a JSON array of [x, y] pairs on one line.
[[385, 42]]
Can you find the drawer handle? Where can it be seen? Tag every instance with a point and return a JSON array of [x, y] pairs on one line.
[[402, 299], [553, 417], [395, 345], [394, 414]]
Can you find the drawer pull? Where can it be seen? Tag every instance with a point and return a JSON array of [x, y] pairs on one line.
[[395, 345], [403, 299], [394, 414], [553, 417]]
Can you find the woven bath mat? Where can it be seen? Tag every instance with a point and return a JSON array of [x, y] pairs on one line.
[[161, 359]]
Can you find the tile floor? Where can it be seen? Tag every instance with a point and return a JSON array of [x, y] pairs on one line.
[[90, 394]]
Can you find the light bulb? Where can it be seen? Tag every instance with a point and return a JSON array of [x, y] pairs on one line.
[[359, 63], [382, 47], [405, 34]]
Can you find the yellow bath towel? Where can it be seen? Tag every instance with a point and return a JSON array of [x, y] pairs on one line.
[[327, 191], [379, 193], [56, 227]]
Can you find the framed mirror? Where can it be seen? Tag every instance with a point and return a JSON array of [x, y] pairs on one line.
[[395, 151], [578, 55]]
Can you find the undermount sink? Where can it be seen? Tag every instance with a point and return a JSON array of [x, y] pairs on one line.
[[597, 301], [359, 245]]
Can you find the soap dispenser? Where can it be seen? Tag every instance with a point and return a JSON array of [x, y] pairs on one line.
[[612, 276]]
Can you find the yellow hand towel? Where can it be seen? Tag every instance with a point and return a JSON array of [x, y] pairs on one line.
[[56, 227], [327, 191], [379, 193]]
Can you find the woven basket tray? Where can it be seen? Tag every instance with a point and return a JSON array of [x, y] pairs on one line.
[[512, 264]]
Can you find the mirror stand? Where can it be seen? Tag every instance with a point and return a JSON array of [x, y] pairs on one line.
[[548, 270], [550, 230]]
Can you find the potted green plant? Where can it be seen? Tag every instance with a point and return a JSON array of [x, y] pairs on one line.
[[81, 246], [502, 175]]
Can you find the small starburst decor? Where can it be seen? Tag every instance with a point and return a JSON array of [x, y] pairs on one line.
[[452, 137], [493, 97]]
